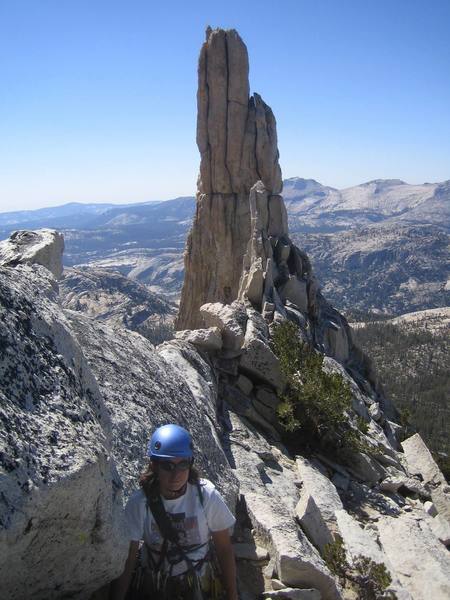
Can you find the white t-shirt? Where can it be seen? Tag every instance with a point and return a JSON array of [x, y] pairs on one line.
[[193, 521]]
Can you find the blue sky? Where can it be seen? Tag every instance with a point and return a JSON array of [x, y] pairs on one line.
[[97, 98]]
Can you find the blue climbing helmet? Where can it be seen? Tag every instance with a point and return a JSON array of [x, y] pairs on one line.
[[170, 441]]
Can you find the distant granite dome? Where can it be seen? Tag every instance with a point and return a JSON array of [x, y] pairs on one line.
[[383, 183], [304, 186], [300, 184]]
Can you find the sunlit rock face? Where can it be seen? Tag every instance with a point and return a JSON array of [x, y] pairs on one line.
[[60, 506], [239, 246], [42, 247], [78, 400], [237, 139]]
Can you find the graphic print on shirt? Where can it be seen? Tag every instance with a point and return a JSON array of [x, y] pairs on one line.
[[187, 528]]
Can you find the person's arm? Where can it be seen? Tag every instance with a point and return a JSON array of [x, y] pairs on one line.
[[225, 555], [120, 585]]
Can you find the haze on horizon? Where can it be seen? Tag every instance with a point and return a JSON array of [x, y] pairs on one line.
[[98, 99]]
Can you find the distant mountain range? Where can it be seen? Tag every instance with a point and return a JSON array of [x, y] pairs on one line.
[[311, 206], [314, 207], [389, 268], [382, 245], [92, 216]]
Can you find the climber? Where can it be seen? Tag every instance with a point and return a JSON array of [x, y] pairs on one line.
[[178, 526]]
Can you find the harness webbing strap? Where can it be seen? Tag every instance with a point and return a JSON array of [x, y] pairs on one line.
[[200, 493], [155, 504]]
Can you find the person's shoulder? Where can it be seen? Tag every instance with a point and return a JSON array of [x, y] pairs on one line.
[[208, 489], [206, 485], [217, 512], [135, 515], [137, 498]]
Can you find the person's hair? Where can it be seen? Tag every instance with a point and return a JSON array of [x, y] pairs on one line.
[[148, 476]]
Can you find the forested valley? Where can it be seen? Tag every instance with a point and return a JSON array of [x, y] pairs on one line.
[[412, 363]]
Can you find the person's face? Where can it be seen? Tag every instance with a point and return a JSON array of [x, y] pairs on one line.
[[172, 480]]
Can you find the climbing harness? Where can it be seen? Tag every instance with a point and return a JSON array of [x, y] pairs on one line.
[[190, 585]]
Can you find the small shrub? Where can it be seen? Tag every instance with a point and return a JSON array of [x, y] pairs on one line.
[[370, 579], [286, 415], [406, 423], [351, 443], [405, 417], [334, 557], [315, 403], [362, 424]]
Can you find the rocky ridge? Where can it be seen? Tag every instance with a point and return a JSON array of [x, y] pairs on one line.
[[433, 320], [160, 270], [277, 284], [112, 298], [90, 407]]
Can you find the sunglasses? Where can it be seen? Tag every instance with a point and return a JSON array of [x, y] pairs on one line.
[[172, 467]]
